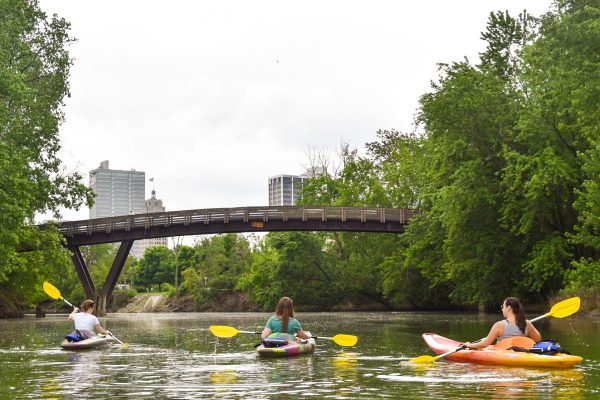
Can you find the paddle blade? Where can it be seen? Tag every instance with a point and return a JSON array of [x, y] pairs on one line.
[[223, 331], [52, 291], [565, 308], [345, 340], [423, 360]]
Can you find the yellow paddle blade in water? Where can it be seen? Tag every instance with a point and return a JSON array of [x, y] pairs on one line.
[[565, 308], [423, 360], [345, 340], [52, 291], [223, 331]]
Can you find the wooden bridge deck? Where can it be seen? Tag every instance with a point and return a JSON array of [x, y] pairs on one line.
[[242, 219]]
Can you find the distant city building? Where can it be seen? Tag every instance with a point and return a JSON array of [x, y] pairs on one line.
[[118, 192], [153, 205], [284, 189]]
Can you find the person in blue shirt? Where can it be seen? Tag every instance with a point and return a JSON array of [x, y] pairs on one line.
[[283, 321]]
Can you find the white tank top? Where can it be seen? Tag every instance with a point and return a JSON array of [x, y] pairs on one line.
[[85, 321], [511, 330]]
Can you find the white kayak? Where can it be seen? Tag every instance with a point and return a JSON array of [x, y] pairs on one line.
[[90, 343]]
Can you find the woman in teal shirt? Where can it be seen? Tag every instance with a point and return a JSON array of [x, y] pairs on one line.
[[283, 321]]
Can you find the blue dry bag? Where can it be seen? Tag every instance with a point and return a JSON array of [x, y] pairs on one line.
[[74, 337], [547, 347]]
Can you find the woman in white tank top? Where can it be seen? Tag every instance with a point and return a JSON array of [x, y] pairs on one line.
[[515, 324], [86, 322]]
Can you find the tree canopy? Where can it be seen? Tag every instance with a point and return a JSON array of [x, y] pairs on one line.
[[34, 71]]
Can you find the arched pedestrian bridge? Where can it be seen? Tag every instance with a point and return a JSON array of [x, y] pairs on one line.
[[128, 228]]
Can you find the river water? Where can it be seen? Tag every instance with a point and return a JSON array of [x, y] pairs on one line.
[[175, 356]]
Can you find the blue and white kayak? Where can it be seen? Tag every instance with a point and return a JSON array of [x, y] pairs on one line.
[[90, 343]]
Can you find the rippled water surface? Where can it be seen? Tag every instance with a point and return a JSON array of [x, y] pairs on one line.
[[175, 356]]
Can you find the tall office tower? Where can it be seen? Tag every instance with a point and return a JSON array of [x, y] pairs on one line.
[[118, 192], [153, 205], [284, 189]]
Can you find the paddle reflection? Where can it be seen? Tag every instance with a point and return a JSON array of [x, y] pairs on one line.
[[345, 366], [224, 377]]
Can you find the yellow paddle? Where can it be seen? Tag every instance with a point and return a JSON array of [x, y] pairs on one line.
[[122, 344], [229, 331], [53, 292], [559, 310]]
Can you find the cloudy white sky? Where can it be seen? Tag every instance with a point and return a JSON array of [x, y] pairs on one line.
[[210, 98]]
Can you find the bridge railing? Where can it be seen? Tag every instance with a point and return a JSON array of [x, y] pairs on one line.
[[254, 215]]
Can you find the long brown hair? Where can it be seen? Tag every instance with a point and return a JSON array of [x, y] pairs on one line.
[[285, 311], [519, 311]]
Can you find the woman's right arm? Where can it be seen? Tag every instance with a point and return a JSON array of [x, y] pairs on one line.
[[266, 332], [75, 311], [489, 339]]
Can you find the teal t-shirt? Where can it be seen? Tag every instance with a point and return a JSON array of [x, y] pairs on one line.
[[274, 324]]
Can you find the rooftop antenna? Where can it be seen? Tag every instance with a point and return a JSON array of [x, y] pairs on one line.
[[153, 191]]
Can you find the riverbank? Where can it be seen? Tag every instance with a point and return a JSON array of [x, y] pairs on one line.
[[10, 307]]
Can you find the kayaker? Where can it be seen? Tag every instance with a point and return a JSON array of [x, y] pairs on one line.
[[283, 321], [515, 324], [86, 322]]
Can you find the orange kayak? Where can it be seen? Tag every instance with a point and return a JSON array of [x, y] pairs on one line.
[[498, 354]]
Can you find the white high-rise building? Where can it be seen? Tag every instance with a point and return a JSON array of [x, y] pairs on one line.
[[118, 192], [284, 189], [153, 205]]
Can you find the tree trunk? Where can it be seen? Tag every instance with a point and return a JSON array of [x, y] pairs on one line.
[[39, 313], [101, 305]]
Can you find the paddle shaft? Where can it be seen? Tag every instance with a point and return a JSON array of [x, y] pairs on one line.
[[68, 302], [540, 317], [113, 336]]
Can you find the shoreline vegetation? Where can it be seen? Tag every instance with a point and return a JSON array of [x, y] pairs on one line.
[[240, 302], [503, 166]]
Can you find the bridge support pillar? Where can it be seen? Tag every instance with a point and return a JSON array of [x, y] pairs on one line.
[[83, 273], [112, 277], [100, 297]]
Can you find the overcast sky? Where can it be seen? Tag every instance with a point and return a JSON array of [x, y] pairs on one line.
[[210, 98]]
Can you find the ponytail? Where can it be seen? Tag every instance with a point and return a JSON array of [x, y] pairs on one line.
[[519, 312], [285, 311]]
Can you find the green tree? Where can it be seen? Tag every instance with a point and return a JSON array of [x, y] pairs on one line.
[[185, 257], [293, 264], [155, 268], [34, 69], [547, 163]]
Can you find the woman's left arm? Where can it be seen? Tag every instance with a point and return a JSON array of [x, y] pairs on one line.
[[533, 333], [101, 330]]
